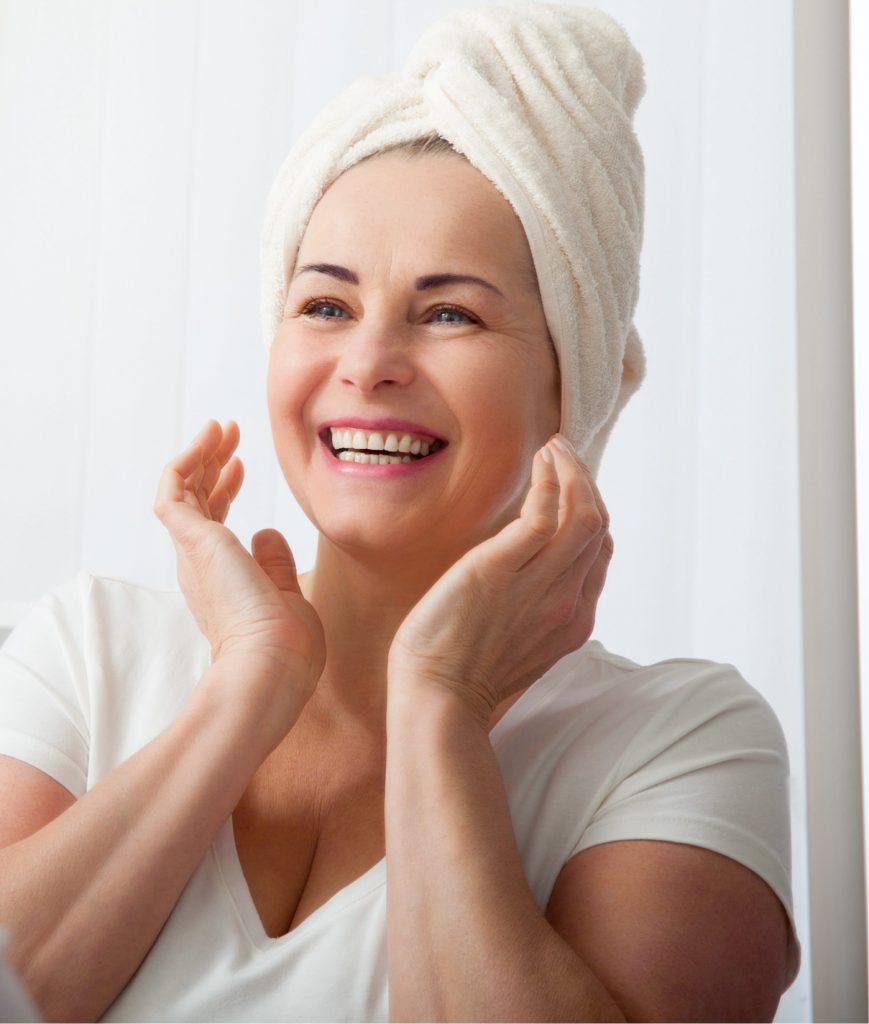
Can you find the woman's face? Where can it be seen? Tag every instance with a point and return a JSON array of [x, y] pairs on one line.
[[377, 340]]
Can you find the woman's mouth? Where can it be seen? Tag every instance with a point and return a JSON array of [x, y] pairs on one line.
[[379, 447]]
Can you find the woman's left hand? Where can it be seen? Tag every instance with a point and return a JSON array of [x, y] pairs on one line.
[[512, 606]]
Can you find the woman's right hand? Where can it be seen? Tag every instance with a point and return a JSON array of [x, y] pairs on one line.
[[249, 606]]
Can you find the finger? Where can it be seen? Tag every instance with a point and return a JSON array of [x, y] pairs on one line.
[[202, 479], [177, 472], [181, 475], [214, 466], [580, 519], [584, 580], [604, 511], [210, 435], [171, 506], [592, 585], [189, 460], [190, 463], [209, 438], [226, 489], [537, 523], [273, 554], [565, 444], [183, 466]]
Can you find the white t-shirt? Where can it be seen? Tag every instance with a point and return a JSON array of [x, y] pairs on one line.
[[598, 749]]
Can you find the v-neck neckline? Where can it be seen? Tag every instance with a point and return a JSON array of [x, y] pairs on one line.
[[229, 865]]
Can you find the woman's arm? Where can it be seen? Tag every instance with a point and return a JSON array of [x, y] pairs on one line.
[[687, 933], [466, 939], [85, 897], [634, 930]]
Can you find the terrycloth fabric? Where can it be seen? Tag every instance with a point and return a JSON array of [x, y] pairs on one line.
[[540, 98]]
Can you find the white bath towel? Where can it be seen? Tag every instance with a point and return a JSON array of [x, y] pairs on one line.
[[540, 98]]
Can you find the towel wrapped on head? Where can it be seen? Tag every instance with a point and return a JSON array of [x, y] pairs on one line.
[[540, 98]]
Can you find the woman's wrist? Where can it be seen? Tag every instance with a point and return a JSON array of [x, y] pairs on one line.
[[257, 697], [413, 693]]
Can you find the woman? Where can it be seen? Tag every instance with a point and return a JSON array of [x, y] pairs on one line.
[[207, 788]]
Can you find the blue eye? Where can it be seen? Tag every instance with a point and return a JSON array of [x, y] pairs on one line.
[[309, 310], [316, 306], [454, 310]]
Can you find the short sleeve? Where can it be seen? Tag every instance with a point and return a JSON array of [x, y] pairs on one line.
[[709, 768], [43, 687]]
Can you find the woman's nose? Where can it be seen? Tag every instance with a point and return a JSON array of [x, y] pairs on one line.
[[375, 355]]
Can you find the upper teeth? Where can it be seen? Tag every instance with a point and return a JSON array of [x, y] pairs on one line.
[[377, 442]]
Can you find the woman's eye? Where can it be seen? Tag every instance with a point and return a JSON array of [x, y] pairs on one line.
[[312, 309], [454, 312], [320, 310]]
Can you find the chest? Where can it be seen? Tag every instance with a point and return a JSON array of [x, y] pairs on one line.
[[312, 821], [305, 829]]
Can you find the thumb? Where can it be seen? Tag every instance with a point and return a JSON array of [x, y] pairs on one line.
[[273, 554], [519, 541]]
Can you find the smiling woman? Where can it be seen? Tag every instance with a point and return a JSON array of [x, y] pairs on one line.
[[209, 789]]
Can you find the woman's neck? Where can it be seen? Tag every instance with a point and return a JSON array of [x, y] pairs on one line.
[[361, 603]]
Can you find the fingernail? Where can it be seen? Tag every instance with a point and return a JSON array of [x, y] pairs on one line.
[[546, 453], [564, 444]]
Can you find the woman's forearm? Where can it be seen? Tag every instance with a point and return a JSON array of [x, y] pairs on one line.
[[85, 897], [466, 939]]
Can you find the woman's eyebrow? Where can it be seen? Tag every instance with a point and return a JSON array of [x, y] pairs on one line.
[[427, 281]]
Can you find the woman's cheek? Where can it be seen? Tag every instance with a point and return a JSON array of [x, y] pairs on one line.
[[290, 387]]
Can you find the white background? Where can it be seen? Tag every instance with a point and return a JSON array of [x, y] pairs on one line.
[[139, 139]]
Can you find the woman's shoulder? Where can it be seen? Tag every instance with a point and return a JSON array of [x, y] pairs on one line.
[[114, 598], [598, 695], [679, 677], [682, 750], [93, 669], [96, 614], [684, 688]]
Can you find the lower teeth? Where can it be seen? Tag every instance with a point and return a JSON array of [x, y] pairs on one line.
[[383, 460]]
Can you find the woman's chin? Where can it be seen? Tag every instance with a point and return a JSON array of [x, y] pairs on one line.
[[391, 546]]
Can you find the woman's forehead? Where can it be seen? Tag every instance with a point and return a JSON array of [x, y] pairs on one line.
[[431, 208]]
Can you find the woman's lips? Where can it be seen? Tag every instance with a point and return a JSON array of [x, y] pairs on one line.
[[381, 425], [379, 471]]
